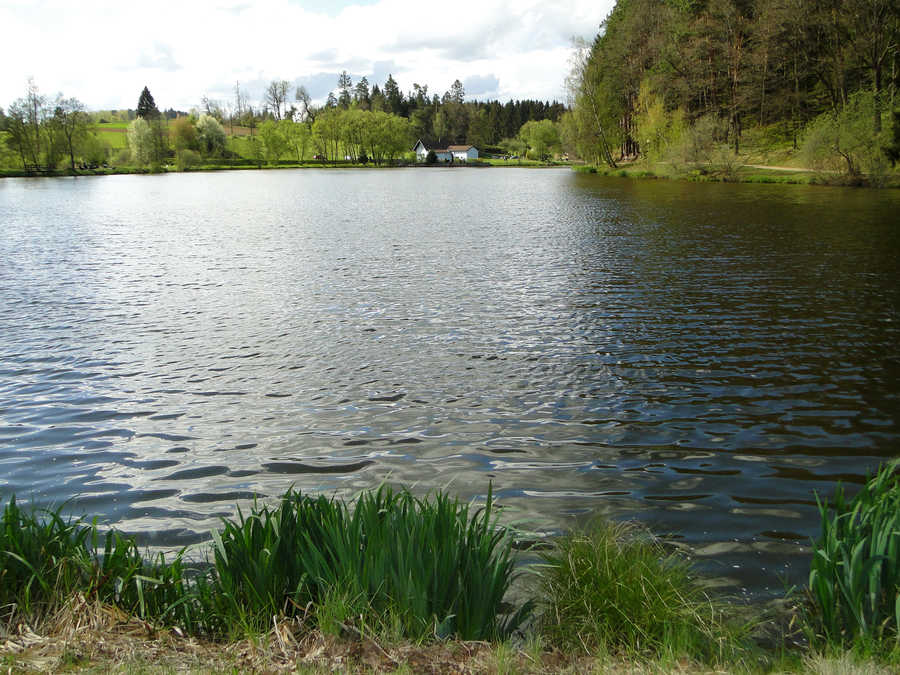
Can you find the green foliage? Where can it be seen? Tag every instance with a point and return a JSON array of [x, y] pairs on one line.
[[695, 146], [187, 159], [414, 567], [45, 558], [748, 63], [211, 136], [431, 157], [184, 134], [892, 151], [541, 138], [273, 138], [140, 141], [614, 589], [842, 142], [424, 565], [854, 579], [659, 132]]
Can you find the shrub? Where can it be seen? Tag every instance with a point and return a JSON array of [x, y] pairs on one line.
[[187, 159], [431, 157], [615, 589], [844, 143], [854, 579], [123, 156]]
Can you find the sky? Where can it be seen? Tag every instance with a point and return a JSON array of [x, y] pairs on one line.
[[104, 52]]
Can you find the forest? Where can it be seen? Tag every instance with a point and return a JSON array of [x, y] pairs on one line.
[[358, 123], [683, 82]]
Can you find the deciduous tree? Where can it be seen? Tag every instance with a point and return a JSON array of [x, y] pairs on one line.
[[72, 123]]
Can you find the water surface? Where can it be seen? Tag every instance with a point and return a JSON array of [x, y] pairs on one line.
[[704, 358]]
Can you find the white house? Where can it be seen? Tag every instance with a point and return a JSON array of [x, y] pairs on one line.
[[453, 153], [463, 153]]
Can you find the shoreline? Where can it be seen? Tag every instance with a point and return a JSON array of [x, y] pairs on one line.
[[315, 164], [608, 598], [745, 173]]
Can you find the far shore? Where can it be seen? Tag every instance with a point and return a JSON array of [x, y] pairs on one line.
[[737, 173], [311, 164]]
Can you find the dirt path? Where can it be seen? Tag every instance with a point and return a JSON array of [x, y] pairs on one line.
[[778, 168]]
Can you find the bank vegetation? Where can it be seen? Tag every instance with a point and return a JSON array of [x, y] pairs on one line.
[[394, 582]]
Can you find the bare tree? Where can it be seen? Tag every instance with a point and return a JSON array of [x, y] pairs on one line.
[[307, 112], [240, 103], [276, 97]]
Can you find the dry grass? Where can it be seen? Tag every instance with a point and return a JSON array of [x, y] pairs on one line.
[[90, 638]]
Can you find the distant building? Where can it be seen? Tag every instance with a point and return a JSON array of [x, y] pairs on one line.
[[453, 153]]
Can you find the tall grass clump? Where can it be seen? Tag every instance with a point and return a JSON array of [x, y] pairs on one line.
[[854, 579], [418, 567], [613, 589], [46, 558]]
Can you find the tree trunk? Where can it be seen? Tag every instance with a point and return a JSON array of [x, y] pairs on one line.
[[876, 103]]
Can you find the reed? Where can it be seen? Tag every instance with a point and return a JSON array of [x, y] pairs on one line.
[[46, 558], [854, 580], [424, 567], [614, 589]]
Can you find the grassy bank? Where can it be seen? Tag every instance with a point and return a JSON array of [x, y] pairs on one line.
[[766, 155], [392, 582]]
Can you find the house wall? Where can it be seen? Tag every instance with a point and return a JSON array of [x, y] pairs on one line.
[[471, 153]]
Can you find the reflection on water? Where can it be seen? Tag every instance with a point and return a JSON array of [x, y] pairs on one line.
[[703, 358]]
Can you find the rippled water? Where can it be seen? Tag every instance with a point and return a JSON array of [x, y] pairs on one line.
[[699, 357]]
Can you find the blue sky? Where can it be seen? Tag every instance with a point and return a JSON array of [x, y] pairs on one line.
[[105, 51]]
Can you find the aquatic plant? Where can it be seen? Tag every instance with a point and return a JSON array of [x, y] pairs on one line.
[[422, 566], [854, 579], [45, 558], [387, 562]]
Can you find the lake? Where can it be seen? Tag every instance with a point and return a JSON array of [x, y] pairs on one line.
[[704, 358]]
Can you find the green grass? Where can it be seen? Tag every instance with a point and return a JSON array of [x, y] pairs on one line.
[[613, 589], [854, 580], [113, 133]]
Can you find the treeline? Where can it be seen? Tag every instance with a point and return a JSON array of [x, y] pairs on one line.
[[359, 124], [666, 73], [42, 133], [437, 120]]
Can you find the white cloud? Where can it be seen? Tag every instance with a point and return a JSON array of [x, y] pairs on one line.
[[104, 52]]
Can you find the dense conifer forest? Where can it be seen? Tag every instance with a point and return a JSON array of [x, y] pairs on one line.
[[674, 79]]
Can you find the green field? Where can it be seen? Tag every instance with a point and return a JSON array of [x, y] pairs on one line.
[[113, 133]]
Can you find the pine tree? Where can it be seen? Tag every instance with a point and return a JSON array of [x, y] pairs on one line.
[[146, 107]]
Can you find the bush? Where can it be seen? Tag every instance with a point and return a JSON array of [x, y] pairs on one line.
[[854, 579], [187, 159], [844, 143], [431, 157]]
